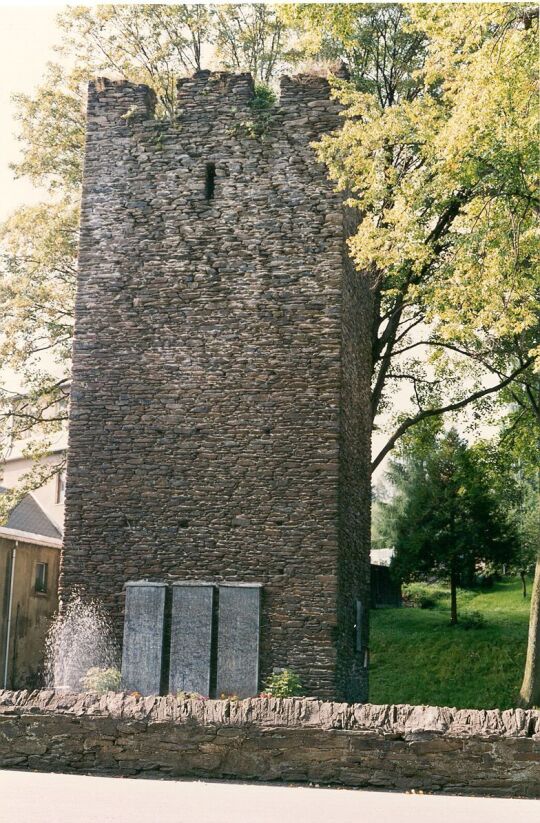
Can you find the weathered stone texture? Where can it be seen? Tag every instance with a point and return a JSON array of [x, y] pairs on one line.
[[384, 747], [220, 405]]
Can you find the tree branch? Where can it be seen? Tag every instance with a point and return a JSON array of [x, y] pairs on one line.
[[412, 421]]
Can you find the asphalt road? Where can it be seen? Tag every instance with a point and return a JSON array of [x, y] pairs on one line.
[[56, 798]]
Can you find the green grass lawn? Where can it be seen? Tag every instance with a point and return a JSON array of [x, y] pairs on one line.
[[418, 657]]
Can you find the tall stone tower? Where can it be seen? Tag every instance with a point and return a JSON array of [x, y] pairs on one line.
[[220, 403]]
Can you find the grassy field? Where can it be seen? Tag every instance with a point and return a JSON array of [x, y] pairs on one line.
[[418, 657]]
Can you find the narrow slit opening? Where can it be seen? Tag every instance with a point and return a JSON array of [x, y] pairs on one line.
[[210, 182]]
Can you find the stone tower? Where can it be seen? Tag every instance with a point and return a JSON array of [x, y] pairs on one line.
[[220, 402]]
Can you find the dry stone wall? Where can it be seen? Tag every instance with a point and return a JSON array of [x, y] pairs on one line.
[[220, 406], [382, 747]]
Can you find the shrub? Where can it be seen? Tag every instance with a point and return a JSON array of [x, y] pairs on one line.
[[421, 596], [101, 680], [283, 684], [264, 97], [425, 601], [261, 103], [472, 620]]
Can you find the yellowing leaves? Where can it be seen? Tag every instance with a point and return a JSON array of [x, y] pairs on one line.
[[469, 136]]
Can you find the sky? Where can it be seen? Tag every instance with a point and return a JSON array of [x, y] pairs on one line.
[[27, 37], [28, 34]]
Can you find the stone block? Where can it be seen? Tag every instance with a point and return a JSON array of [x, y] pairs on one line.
[[191, 637], [238, 639], [143, 637]]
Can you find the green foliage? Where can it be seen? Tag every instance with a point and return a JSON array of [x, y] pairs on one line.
[[51, 128], [37, 283], [101, 680], [472, 620], [377, 42], [283, 684], [152, 44], [37, 288], [444, 517], [418, 658], [444, 172], [250, 37], [261, 106], [156, 44], [264, 97], [512, 472], [423, 595]]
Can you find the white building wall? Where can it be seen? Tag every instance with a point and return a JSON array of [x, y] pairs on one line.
[[15, 466]]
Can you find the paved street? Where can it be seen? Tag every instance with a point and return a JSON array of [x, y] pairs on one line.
[[30, 797]]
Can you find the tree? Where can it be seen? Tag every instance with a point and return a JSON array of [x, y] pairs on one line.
[[444, 517], [250, 37], [37, 289], [441, 163], [152, 44], [155, 44], [513, 477], [521, 444], [381, 49], [530, 688]]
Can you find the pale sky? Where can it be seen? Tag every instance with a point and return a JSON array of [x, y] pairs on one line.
[[27, 37]]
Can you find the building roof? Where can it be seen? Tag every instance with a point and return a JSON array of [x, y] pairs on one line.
[[28, 537], [381, 557], [28, 516]]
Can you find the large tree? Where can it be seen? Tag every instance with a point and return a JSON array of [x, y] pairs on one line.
[[444, 517], [251, 37], [443, 168]]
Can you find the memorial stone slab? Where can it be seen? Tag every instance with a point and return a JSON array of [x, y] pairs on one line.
[[191, 637], [143, 637], [238, 639]]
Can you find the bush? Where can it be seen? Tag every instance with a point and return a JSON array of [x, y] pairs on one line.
[[264, 98], [472, 620], [101, 680], [425, 601], [283, 684], [421, 596]]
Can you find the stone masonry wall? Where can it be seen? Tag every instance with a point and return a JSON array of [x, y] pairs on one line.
[[220, 404], [298, 740]]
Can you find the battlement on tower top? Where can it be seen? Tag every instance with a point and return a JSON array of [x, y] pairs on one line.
[[212, 95]]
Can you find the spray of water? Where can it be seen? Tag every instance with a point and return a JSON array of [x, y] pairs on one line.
[[80, 638]]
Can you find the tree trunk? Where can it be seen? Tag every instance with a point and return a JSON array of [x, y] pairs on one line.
[[523, 583], [467, 577], [530, 688], [453, 595]]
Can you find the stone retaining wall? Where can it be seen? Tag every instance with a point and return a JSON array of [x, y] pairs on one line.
[[296, 740]]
